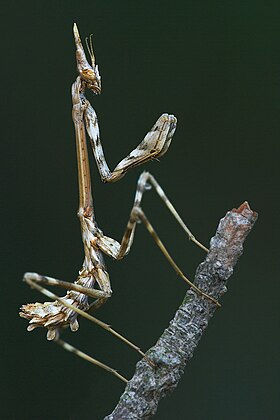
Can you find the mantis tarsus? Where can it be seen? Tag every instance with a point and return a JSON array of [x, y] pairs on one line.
[[64, 311]]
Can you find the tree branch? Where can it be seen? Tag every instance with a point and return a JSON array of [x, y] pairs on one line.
[[176, 345]]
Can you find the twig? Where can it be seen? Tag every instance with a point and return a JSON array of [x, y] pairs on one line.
[[176, 345]]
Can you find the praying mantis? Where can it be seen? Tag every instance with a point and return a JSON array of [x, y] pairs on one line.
[[93, 279]]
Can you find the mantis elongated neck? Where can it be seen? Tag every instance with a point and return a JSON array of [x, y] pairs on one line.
[[84, 181]]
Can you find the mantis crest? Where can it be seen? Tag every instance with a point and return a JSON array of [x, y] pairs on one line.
[[93, 279]]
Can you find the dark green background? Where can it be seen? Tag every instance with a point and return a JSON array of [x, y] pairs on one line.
[[215, 65]]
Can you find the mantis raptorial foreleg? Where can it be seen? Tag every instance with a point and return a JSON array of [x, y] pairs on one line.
[[154, 145], [56, 315]]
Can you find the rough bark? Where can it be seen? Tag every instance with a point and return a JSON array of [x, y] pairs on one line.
[[176, 345]]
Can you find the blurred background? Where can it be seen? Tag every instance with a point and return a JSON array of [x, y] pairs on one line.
[[215, 65]]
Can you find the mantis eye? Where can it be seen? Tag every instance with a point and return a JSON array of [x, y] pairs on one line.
[[88, 74]]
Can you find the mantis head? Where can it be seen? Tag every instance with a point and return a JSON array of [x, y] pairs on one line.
[[88, 73]]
